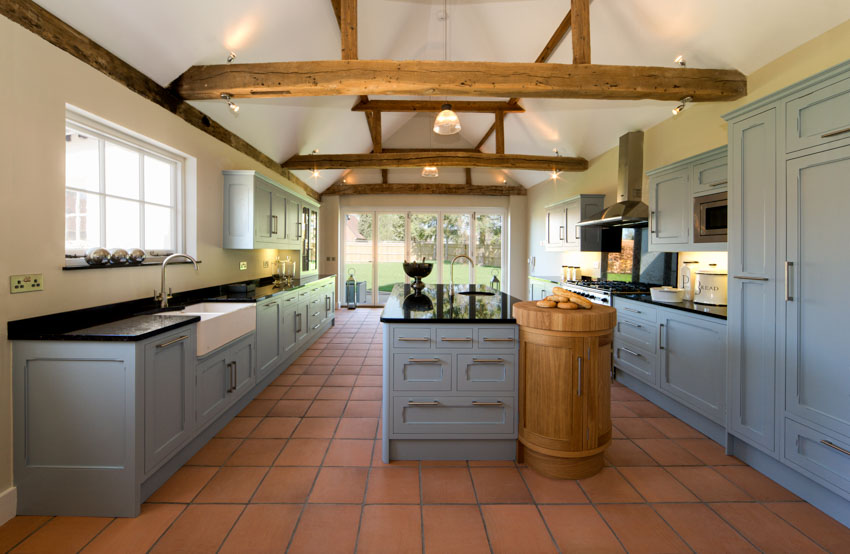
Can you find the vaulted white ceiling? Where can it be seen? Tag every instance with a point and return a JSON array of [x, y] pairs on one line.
[[162, 38]]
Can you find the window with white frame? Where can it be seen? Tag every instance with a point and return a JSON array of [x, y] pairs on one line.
[[120, 191]]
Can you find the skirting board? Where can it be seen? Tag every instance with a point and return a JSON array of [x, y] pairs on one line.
[[8, 504]]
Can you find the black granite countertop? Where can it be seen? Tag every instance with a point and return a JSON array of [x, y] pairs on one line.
[[139, 319], [436, 305], [718, 312]]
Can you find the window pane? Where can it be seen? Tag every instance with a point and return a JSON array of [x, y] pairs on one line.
[[122, 223], [488, 248], [390, 253], [82, 220], [423, 242], [357, 253], [158, 184], [158, 228], [82, 169], [122, 171], [455, 243]]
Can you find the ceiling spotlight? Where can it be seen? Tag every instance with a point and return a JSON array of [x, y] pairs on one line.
[[447, 122], [315, 173], [234, 107], [231, 56], [555, 174], [680, 60], [681, 106], [430, 171]]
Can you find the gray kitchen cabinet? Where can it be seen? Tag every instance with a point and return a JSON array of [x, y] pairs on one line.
[[692, 352], [562, 230], [169, 398], [316, 310], [302, 328], [293, 220], [752, 280], [269, 335], [818, 116], [711, 176], [538, 289], [222, 377], [242, 356], [815, 338], [289, 324], [670, 210]]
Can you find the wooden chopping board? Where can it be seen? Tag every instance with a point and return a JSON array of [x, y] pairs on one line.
[[598, 318]]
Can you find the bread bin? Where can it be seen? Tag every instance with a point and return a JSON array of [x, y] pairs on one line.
[[710, 287]]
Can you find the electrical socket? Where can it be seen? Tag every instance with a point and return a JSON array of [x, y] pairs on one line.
[[265, 263], [28, 282], [243, 266]]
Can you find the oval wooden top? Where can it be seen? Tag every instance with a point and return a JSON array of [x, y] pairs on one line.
[[598, 318]]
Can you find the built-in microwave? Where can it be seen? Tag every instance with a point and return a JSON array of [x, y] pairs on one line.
[[710, 218]]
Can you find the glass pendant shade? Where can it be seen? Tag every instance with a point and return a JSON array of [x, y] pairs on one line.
[[430, 171], [447, 122]]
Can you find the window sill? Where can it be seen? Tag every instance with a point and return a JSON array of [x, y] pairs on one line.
[[111, 266]]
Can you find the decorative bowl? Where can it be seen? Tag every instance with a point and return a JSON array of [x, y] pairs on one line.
[[135, 256], [418, 270], [118, 256], [97, 256]]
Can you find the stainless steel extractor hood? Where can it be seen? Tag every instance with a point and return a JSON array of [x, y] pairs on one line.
[[629, 211]]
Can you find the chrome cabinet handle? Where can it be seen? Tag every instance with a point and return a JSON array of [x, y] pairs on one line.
[[833, 133], [717, 183], [298, 321], [414, 339], [316, 314], [660, 336], [234, 371], [651, 217], [327, 303], [316, 326], [169, 343], [627, 351], [630, 324], [633, 310], [579, 376], [788, 266], [415, 403], [488, 360], [456, 339], [298, 232], [424, 360], [747, 278], [229, 378], [577, 230], [835, 447], [496, 403], [488, 339]]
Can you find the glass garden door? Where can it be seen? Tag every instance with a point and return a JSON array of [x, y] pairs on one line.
[[358, 255]]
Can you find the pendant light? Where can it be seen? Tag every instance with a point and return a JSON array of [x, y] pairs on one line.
[[447, 121], [430, 171]]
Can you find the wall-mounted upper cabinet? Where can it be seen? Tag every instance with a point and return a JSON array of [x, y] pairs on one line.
[[259, 213], [562, 230], [674, 193]]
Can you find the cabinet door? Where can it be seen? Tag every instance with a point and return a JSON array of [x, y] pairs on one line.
[[242, 359], [293, 219], [263, 225], [278, 215], [555, 227], [670, 209], [212, 387], [752, 280], [572, 215], [711, 176], [818, 117], [301, 320], [691, 351], [169, 390], [816, 369], [315, 312], [289, 326], [268, 336]]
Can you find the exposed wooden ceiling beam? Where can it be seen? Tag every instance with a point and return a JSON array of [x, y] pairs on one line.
[[489, 132], [500, 132], [471, 106], [581, 31], [426, 188], [336, 7], [423, 78], [348, 28], [437, 158], [373, 119], [440, 150], [468, 175]]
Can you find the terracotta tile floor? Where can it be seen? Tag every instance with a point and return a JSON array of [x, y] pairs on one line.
[[300, 471]]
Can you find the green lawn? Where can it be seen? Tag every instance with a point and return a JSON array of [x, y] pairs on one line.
[[390, 273]]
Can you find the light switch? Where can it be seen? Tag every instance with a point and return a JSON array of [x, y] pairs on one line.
[[265, 263], [30, 282], [243, 266]]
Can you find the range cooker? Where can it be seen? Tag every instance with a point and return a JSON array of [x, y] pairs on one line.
[[602, 292]]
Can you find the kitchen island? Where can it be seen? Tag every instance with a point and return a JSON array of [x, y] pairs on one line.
[[450, 374]]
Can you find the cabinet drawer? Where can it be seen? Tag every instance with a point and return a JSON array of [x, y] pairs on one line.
[[289, 298], [455, 337], [486, 372], [305, 294], [711, 176], [811, 451], [637, 332], [442, 415], [632, 309], [428, 371], [404, 337], [636, 362], [502, 338], [819, 117]]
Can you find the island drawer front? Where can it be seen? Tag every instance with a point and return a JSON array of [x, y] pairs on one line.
[[428, 371], [289, 298], [636, 362], [412, 337], [455, 337], [498, 337], [486, 372], [305, 293], [453, 415], [633, 309], [818, 454], [637, 332]]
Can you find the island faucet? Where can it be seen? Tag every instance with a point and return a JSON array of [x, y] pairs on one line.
[[163, 296], [452, 271]]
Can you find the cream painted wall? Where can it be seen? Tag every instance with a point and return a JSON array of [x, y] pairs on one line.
[[38, 80], [697, 129], [332, 207]]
